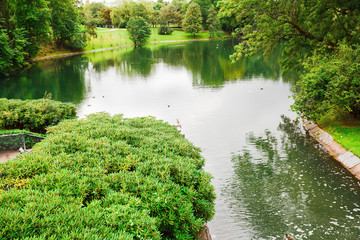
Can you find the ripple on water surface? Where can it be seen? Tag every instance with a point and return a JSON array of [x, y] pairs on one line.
[[286, 183]]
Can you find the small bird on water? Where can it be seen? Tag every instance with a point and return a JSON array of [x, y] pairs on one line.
[[288, 237]]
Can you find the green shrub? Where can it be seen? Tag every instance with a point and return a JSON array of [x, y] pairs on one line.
[[106, 178], [165, 30], [33, 115], [330, 86]]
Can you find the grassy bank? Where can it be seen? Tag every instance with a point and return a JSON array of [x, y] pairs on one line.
[[108, 38], [345, 133]]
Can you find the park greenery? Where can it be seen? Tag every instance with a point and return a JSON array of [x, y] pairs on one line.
[[33, 115], [319, 37], [138, 30], [49, 27], [109, 177], [193, 19], [106, 177]]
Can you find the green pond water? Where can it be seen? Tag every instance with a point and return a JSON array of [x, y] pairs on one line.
[[270, 177]]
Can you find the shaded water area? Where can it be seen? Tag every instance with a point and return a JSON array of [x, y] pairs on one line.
[[270, 177]]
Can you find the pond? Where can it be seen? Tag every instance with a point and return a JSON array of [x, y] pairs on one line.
[[270, 177]]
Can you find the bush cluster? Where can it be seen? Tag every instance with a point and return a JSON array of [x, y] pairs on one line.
[[33, 115], [165, 30], [330, 86], [106, 177]]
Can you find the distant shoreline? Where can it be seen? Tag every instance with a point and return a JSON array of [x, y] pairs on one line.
[[113, 48]]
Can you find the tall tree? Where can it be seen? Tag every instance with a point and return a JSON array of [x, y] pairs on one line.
[[213, 22], [138, 30], [192, 21], [300, 24], [33, 16], [204, 8], [170, 14], [106, 15], [121, 13], [65, 23], [12, 40]]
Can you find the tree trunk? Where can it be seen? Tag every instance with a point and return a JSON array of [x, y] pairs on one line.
[[204, 233]]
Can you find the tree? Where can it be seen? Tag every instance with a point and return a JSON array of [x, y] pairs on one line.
[[106, 15], [138, 30], [232, 16], [192, 21], [213, 22], [170, 14], [141, 10], [65, 23], [330, 85], [300, 25], [164, 28], [121, 14], [33, 16], [204, 8], [12, 40]]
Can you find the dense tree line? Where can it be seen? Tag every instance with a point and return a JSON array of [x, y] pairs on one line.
[[27, 24]]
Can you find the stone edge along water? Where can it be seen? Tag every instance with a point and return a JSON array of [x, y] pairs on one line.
[[348, 159]]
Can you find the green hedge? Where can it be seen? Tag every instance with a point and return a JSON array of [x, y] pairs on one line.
[[106, 178], [33, 115]]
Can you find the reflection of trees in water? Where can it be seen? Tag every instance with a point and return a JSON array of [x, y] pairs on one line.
[[132, 62], [207, 61], [287, 184], [63, 78]]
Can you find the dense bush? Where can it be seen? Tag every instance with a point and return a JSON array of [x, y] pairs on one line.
[[33, 115], [330, 84], [106, 178], [165, 30]]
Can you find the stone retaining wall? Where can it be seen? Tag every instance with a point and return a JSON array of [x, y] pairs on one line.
[[349, 160]]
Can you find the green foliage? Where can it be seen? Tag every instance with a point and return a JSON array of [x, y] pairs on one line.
[[330, 85], [204, 5], [65, 23], [192, 21], [232, 15], [12, 42], [106, 178], [34, 17], [302, 26], [347, 135], [138, 30], [164, 29], [213, 22], [33, 115], [121, 14], [170, 14]]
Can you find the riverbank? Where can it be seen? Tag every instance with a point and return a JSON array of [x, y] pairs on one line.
[[113, 48], [118, 38], [347, 158]]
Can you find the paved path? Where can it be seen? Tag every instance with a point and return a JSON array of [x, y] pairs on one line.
[[348, 159], [7, 155]]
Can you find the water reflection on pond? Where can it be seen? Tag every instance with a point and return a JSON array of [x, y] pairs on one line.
[[269, 178], [284, 183]]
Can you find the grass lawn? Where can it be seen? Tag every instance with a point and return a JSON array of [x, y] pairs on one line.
[[116, 38], [347, 134], [108, 38]]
